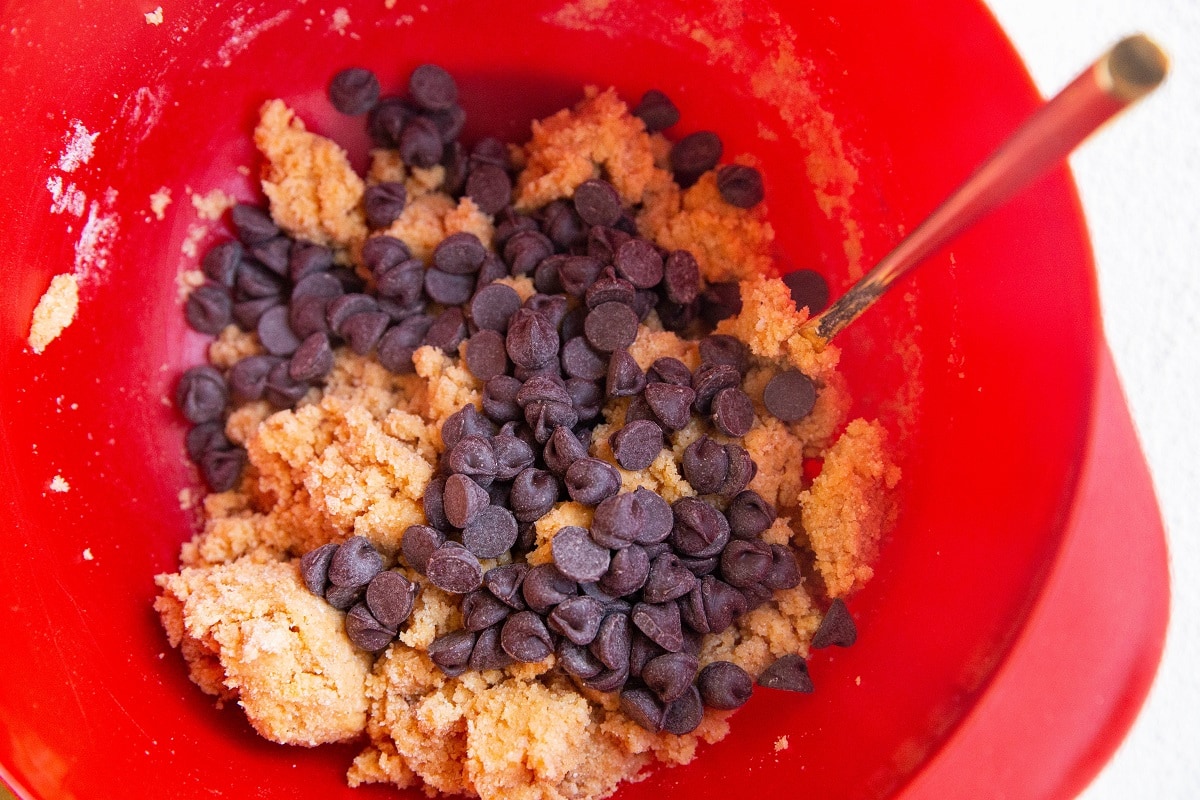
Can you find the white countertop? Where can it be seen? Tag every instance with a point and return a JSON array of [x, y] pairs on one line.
[[1140, 184]]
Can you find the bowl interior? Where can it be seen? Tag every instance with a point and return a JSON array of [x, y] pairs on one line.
[[862, 119]]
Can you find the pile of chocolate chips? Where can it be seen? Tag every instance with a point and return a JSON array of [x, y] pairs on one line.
[[624, 604]]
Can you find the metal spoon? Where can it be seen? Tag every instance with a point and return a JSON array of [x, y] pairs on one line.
[[1133, 68]]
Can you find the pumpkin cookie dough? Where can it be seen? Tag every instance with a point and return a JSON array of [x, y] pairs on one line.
[[356, 452]]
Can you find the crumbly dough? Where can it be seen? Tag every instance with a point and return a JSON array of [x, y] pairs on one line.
[[54, 312], [355, 456]]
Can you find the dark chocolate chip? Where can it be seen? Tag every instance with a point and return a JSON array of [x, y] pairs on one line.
[[354, 91], [700, 530], [526, 638], [657, 517], [486, 355], [500, 398], [749, 515], [492, 532], [452, 651], [532, 340], [209, 309], [603, 243], [608, 680], [492, 269], [542, 389], [562, 449], [641, 706], [355, 563], [463, 498], [720, 301], [587, 398], [221, 468], [577, 556], [724, 685], [577, 618], [420, 143], [488, 654], [396, 346], [544, 416], [505, 583], [201, 394], [789, 673], [670, 675], [493, 305], [627, 571], [809, 290], [613, 641], [636, 445], [276, 335], [512, 456], [459, 254], [314, 568], [740, 185], [307, 259], [222, 261], [638, 261], [383, 203], [563, 226], [700, 566], [790, 395], [552, 307], [693, 155], [447, 289], [381, 253], [745, 562], [490, 150], [447, 331], [785, 571], [525, 250], [617, 521], [390, 597], [449, 122], [363, 331], [742, 470], [577, 660], [836, 628], [660, 622], [418, 544], [481, 610], [671, 404], [597, 202], [489, 187], [545, 275], [681, 277], [710, 379], [591, 481], [720, 348], [534, 492], [312, 360], [467, 421], [343, 597], [544, 587], [670, 370], [656, 111], [706, 465], [611, 326], [432, 87], [624, 377], [668, 580], [608, 288], [578, 273], [453, 568], [274, 254], [318, 284], [733, 412], [345, 306], [434, 503], [722, 603], [307, 315], [579, 360], [365, 632], [253, 225], [282, 391], [205, 437]]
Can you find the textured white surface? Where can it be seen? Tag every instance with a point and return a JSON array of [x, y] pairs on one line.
[[1140, 184]]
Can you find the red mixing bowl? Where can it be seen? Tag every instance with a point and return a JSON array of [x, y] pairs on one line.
[[1019, 607]]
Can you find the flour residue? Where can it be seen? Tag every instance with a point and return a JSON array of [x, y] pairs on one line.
[[242, 34], [94, 248], [65, 197], [79, 145]]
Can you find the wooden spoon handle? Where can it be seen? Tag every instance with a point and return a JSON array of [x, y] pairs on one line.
[[1133, 68]]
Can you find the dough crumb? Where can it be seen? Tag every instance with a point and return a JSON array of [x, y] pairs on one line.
[[155, 18], [54, 312], [212, 205], [781, 744], [87, 554], [59, 484], [159, 202]]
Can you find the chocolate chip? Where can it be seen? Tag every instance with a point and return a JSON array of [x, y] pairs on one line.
[[512, 456], [668, 580], [383, 203], [742, 470], [452, 651], [355, 563], [276, 335], [532, 339], [710, 379], [641, 706], [363, 331], [733, 412], [790, 395], [395, 348], [447, 331], [354, 91], [722, 603], [670, 370], [390, 597], [627, 571], [719, 348], [541, 389], [693, 155], [381, 253], [486, 356], [785, 571], [545, 586], [700, 530], [319, 284], [274, 254], [700, 566], [656, 111], [636, 445], [749, 515], [641, 651], [577, 618], [681, 277], [616, 521], [453, 568], [579, 360], [481, 610], [432, 87], [459, 254], [313, 359], [611, 326], [498, 492], [253, 225], [740, 186], [705, 465], [545, 275], [463, 423], [341, 308], [366, 632], [488, 654], [508, 224], [526, 638], [586, 397], [720, 301], [603, 243], [499, 398], [492, 306], [307, 314], [577, 660], [419, 542], [836, 628], [671, 404], [624, 377], [447, 289], [809, 289], [660, 622], [670, 675], [209, 309], [608, 288], [434, 503], [578, 273], [534, 492], [489, 187], [562, 449], [282, 391], [789, 673], [201, 394], [657, 518], [685, 714], [420, 143], [639, 262], [724, 685], [463, 498], [544, 416], [597, 202], [552, 307], [449, 122], [591, 481], [344, 597], [490, 150], [612, 642], [205, 437], [505, 583], [222, 261], [745, 562], [306, 258], [577, 556], [525, 250], [492, 532], [492, 269], [314, 568]]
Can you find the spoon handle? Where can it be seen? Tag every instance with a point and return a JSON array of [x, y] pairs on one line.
[[1133, 68]]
